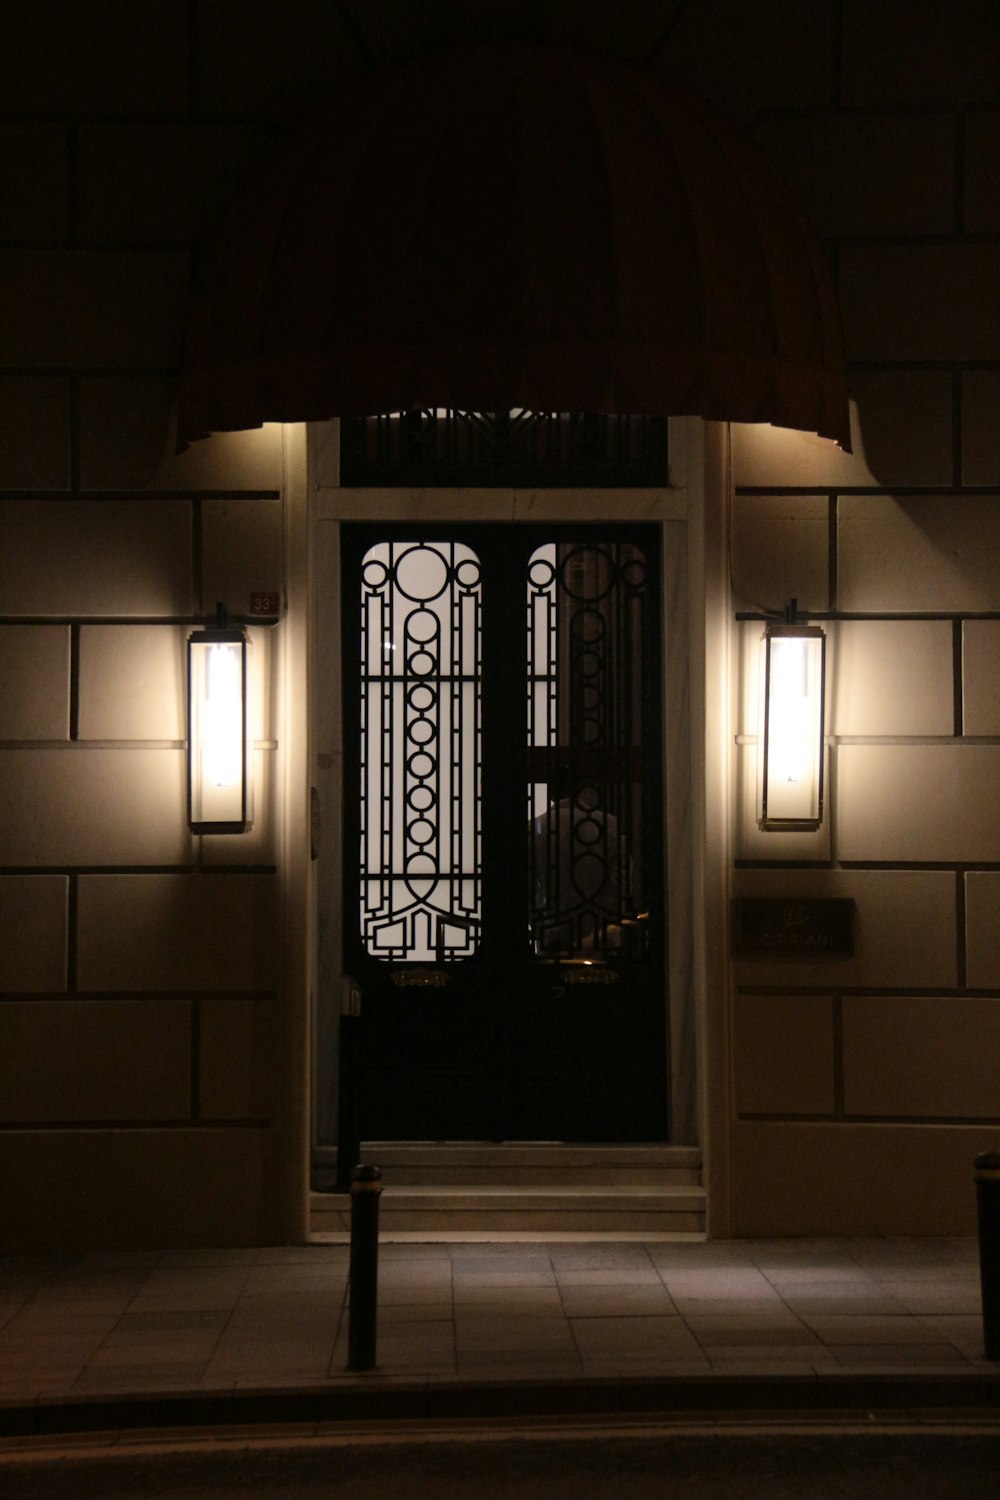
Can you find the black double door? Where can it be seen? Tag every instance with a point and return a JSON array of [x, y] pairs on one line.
[[503, 832]]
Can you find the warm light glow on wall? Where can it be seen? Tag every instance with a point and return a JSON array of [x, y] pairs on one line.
[[790, 733], [219, 747]]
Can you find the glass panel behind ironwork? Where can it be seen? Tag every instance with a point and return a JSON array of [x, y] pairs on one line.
[[446, 447], [421, 628], [586, 693]]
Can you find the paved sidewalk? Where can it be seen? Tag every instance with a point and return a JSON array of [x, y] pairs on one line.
[[226, 1322]]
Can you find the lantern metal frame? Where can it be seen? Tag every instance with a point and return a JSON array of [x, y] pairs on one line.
[[231, 812], [777, 810]]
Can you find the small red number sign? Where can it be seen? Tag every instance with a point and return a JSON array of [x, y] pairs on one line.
[[264, 604]]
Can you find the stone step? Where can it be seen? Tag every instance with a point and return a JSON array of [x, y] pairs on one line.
[[479, 1190], [533, 1164], [432, 1211]]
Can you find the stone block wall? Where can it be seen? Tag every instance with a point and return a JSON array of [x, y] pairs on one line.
[[140, 971], [141, 1096], [862, 1088]]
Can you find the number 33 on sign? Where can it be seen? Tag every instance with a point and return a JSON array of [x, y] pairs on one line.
[[262, 603]]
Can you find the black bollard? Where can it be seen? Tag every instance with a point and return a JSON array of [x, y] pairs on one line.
[[987, 1173], [362, 1312], [349, 1092]]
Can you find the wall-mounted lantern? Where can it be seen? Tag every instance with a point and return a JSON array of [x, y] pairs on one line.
[[790, 727], [220, 750]]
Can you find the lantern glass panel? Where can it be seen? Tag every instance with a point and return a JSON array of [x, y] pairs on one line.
[[790, 786], [219, 747]]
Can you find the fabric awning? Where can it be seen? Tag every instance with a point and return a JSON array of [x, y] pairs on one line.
[[512, 225]]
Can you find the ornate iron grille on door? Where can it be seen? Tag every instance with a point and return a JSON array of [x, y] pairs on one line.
[[420, 751], [421, 748], [586, 622]]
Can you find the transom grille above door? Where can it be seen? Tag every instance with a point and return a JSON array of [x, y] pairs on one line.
[[447, 447]]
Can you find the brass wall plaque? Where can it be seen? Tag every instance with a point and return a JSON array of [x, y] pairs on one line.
[[584, 971], [418, 979], [787, 928]]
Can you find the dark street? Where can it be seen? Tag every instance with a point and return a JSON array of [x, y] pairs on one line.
[[579, 1462]]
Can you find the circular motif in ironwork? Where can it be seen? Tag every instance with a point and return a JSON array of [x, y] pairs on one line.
[[541, 573], [421, 876], [588, 625], [587, 664], [633, 573], [422, 625], [420, 732], [587, 574], [421, 574], [421, 663], [374, 574], [587, 831]]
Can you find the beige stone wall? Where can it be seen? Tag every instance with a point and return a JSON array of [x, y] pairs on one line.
[[862, 1088], [144, 1063], [141, 1001]]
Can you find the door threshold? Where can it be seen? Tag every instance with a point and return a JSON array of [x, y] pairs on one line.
[[516, 1237]]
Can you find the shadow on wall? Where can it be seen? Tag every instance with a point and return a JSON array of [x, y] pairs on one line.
[[901, 430], [128, 436], [897, 549]]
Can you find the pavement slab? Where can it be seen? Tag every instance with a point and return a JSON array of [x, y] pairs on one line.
[[93, 1338]]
